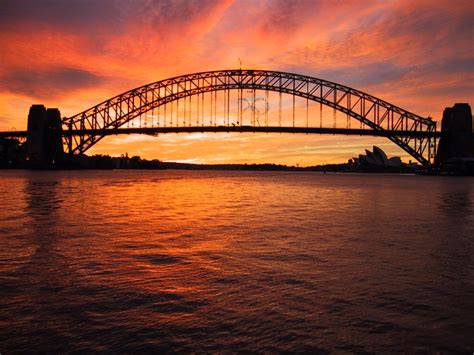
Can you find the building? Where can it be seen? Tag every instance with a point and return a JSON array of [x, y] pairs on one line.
[[376, 161], [12, 153]]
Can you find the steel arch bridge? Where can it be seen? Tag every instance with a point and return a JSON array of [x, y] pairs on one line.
[[415, 134]]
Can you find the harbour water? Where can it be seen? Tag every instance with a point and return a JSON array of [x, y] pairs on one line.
[[205, 261]]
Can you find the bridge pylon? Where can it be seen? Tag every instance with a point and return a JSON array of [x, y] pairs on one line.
[[44, 145], [457, 137]]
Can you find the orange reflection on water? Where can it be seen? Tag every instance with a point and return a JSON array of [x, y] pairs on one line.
[[239, 260]]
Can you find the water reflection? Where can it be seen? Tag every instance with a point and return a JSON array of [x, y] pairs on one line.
[[42, 197], [456, 201], [203, 261], [454, 238], [47, 267]]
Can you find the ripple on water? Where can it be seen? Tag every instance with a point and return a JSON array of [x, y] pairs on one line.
[[160, 259]]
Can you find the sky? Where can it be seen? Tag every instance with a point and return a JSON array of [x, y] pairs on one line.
[[73, 54]]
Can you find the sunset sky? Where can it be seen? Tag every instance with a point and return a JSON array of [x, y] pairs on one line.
[[73, 54]]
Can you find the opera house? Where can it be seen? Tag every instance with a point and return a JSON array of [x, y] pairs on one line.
[[376, 160]]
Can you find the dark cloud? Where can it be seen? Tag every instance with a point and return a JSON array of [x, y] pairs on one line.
[[454, 65], [284, 15], [70, 14], [424, 19], [462, 92], [431, 31], [366, 75], [49, 83], [177, 9], [360, 76], [287, 16], [384, 72], [100, 16]]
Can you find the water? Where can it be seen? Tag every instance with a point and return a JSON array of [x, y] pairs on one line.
[[134, 261]]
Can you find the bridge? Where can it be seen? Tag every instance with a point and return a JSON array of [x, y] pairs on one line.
[[226, 101]]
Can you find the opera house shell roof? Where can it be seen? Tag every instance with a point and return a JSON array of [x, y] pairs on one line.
[[378, 158]]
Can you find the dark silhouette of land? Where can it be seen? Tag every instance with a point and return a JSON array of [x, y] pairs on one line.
[[12, 156]]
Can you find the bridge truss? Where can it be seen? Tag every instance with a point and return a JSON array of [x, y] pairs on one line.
[[414, 134]]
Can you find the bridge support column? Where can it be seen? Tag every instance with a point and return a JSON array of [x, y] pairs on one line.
[[44, 136], [456, 145]]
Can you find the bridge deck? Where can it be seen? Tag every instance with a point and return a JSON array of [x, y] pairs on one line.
[[237, 129]]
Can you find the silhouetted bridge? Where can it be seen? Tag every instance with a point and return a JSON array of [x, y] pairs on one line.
[[204, 102], [235, 129]]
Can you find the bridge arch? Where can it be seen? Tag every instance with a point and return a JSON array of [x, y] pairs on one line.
[[88, 127]]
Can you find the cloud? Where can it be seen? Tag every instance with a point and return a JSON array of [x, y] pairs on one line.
[[49, 83], [71, 15], [360, 76], [107, 16]]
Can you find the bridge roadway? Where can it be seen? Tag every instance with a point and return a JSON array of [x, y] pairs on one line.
[[238, 129]]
